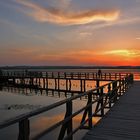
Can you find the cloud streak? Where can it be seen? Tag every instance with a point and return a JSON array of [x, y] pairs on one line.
[[63, 17], [120, 22], [124, 52]]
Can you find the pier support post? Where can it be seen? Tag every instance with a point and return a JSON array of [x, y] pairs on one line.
[[55, 83], [66, 85], [58, 83], [44, 83], [83, 85], [69, 84]]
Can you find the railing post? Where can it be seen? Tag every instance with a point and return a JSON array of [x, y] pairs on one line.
[[97, 85], [88, 113], [102, 101], [84, 81], [55, 83], [24, 130], [68, 125], [109, 89], [82, 85], [90, 110], [66, 84]]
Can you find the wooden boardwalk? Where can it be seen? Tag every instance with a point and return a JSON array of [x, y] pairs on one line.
[[122, 122]]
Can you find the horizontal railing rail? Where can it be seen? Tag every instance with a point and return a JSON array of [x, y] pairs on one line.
[[107, 95]]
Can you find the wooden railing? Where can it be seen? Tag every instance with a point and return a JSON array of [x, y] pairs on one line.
[[107, 95], [61, 75]]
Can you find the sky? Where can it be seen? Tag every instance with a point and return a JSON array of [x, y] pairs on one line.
[[70, 32]]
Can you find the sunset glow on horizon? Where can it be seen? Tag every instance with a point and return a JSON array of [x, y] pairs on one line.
[[68, 32]]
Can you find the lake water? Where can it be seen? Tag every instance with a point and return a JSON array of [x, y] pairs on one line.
[[14, 102]]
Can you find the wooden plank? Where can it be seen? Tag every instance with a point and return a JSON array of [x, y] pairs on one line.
[[122, 122]]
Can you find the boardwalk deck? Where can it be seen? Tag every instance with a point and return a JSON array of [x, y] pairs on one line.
[[122, 122]]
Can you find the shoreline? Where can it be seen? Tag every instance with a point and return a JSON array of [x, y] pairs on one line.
[[69, 67]]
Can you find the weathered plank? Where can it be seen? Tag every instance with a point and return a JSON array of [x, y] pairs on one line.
[[122, 122]]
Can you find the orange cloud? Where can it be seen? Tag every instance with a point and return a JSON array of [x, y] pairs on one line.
[[59, 16]]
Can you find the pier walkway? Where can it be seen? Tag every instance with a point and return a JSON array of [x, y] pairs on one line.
[[122, 122]]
